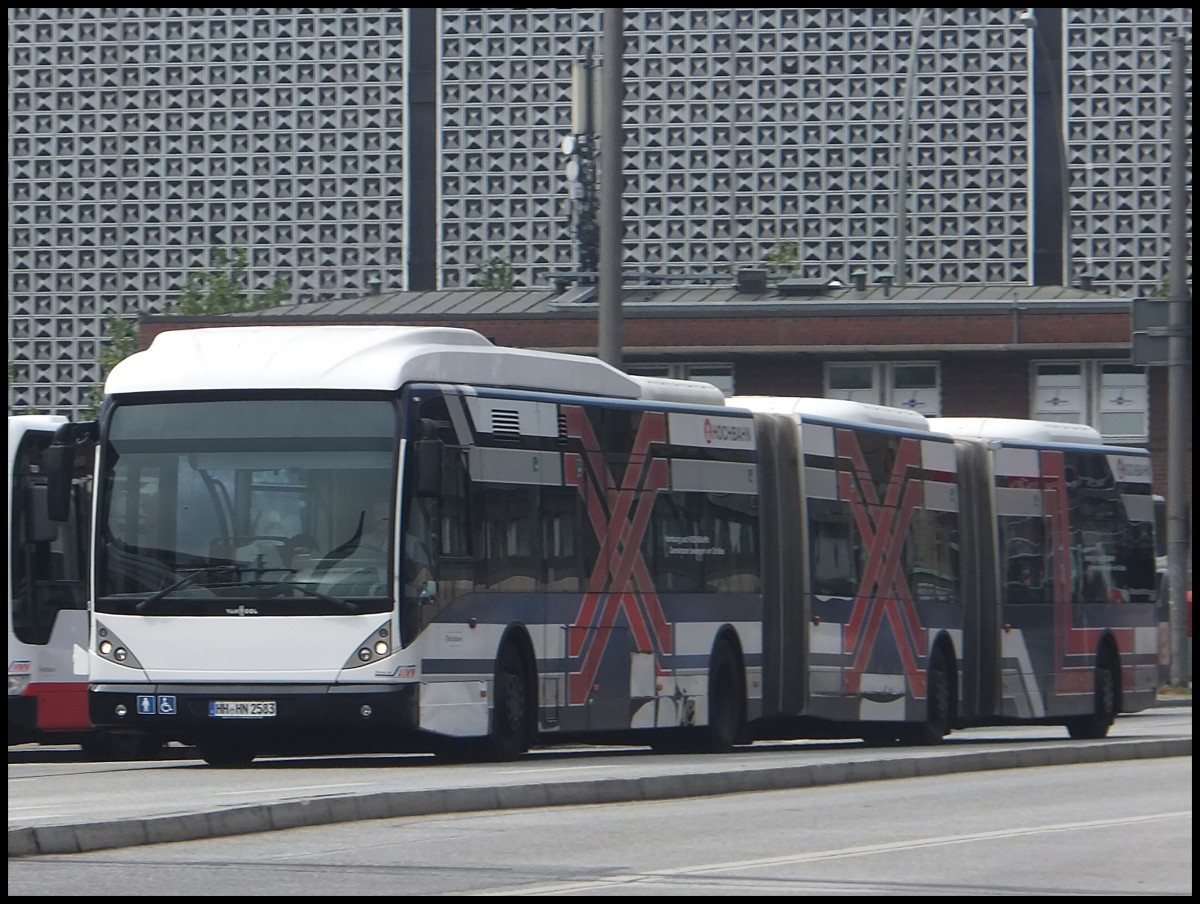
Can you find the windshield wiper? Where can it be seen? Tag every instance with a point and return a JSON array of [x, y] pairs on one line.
[[153, 598], [277, 587]]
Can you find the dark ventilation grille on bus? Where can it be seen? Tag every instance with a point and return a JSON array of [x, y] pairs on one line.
[[562, 427], [505, 422]]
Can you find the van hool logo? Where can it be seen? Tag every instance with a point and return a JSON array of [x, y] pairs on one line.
[[725, 433]]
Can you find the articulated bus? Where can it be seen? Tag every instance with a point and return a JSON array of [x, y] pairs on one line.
[[319, 538], [949, 572]]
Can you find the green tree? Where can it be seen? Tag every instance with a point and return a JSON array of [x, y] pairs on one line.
[[497, 274], [782, 259], [12, 372], [221, 289], [122, 342]]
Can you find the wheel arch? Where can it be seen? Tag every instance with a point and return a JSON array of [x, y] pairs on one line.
[[517, 637], [727, 645], [728, 634]]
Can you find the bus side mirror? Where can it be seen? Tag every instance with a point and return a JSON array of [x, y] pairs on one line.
[[429, 467], [58, 463]]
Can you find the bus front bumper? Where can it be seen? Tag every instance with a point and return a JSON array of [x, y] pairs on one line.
[[273, 717]]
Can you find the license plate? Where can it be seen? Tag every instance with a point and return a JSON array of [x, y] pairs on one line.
[[241, 709]]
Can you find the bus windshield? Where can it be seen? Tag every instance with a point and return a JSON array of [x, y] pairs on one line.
[[252, 506]]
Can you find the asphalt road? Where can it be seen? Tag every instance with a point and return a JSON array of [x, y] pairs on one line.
[[58, 806]]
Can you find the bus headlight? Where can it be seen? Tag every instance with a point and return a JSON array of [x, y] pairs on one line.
[[110, 648], [372, 649]]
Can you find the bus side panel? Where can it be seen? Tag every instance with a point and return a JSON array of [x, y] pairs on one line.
[[60, 675], [619, 550], [1077, 578], [884, 566]]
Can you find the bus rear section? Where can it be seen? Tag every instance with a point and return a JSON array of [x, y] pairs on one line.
[[921, 575], [47, 611], [48, 587], [1070, 631]]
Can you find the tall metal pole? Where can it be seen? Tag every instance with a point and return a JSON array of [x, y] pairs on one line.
[[903, 165], [612, 183], [1179, 383]]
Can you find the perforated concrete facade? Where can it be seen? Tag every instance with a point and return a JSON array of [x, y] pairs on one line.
[[141, 138]]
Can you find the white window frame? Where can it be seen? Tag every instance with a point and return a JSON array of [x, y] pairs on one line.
[[881, 387], [1098, 389]]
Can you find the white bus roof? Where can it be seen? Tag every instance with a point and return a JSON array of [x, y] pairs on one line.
[[371, 358], [1004, 428], [833, 409], [666, 389], [20, 424]]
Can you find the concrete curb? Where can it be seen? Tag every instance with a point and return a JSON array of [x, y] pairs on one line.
[[73, 839]]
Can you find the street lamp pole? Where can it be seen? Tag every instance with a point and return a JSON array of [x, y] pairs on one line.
[[612, 184]]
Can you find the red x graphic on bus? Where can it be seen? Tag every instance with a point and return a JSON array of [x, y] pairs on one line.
[[620, 580], [883, 591]]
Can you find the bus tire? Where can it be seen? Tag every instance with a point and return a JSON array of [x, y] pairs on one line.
[[939, 701], [1105, 702], [512, 709], [726, 701]]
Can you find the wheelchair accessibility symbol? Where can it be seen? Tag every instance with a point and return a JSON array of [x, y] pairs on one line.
[[148, 705]]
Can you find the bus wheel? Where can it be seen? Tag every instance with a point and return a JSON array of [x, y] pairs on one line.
[[1104, 711], [512, 708], [939, 702], [226, 754], [726, 701]]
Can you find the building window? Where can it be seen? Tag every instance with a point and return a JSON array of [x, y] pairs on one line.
[[916, 386], [719, 375], [1111, 396]]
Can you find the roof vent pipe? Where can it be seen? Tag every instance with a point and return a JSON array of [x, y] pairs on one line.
[[860, 280], [751, 282]]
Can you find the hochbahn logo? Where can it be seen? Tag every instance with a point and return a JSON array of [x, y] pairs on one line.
[[725, 432], [620, 580]]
